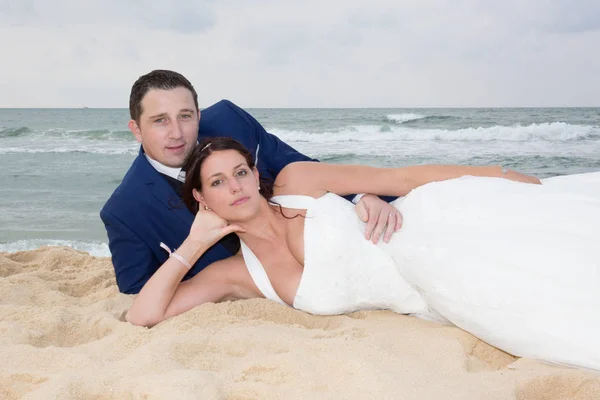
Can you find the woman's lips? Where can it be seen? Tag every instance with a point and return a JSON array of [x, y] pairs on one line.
[[240, 201]]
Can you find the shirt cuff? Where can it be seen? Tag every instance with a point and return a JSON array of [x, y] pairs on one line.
[[357, 198]]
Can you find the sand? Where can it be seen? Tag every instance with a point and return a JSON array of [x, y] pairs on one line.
[[63, 336]]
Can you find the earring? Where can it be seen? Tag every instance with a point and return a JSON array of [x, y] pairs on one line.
[[207, 208], [259, 187]]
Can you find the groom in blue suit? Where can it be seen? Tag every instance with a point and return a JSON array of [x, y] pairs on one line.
[[145, 217]]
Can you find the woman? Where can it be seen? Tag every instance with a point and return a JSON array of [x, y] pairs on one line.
[[492, 252]]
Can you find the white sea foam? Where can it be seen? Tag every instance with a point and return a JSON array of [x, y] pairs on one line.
[[105, 143], [401, 118], [55, 140], [94, 249], [73, 148], [548, 132]]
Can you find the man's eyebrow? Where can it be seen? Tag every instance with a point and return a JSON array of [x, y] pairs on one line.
[[220, 173], [161, 115]]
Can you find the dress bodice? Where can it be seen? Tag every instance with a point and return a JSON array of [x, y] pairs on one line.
[[343, 272]]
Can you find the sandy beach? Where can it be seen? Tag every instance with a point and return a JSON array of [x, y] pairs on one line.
[[64, 337]]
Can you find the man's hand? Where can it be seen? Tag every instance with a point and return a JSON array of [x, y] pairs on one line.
[[379, 216]]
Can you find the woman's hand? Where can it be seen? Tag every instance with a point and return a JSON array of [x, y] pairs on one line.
[[208, 228]]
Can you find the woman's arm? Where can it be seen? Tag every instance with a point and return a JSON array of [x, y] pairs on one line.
[[164, 295], [314, 179]]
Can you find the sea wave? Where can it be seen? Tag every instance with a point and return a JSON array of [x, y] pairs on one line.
[[14, 132], [71, 149], [94, 249], [94, 134], [23, 140], [91, 142], [547, 132], [402, 118], [410, 117]]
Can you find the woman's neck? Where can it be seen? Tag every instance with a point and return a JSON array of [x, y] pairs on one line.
[[265, 226]]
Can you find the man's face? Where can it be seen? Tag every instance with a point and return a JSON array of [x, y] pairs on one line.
[[168, 127]]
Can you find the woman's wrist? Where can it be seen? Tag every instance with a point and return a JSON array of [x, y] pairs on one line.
[[191, 250]]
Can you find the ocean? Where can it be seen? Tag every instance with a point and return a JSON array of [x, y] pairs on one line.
[[59, 166]]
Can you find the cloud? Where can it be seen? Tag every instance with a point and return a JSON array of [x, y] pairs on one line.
[[305, 54], [184, 17]]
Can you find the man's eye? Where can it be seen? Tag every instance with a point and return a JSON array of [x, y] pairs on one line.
[[186, 116], [159, 120]]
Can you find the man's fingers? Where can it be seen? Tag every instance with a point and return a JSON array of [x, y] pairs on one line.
[[381, 222], [390, 227], [362, 212], [370, 227], [399, 220]]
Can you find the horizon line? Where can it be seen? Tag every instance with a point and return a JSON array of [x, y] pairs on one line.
[[310, 108]]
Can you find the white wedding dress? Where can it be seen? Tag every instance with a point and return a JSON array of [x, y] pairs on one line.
[[517, 265]]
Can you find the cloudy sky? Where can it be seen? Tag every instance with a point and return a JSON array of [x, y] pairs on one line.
[[305, 53]]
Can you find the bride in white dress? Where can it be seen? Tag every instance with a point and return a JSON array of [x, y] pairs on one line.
[[486, 249]]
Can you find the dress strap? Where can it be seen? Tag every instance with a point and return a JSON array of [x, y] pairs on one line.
[[299, 202], [258, 274]]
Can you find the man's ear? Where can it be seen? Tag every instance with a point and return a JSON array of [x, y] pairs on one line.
[[199, 198], [135, 129]]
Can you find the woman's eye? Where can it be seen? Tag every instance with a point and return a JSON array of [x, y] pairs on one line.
[[242, 172], [216, 183]]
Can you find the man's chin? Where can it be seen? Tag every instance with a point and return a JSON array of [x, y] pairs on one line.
[[175, 161]]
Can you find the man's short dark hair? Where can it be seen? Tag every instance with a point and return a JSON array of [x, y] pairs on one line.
[[157, 79]]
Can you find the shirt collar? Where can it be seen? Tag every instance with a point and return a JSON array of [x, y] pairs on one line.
[[175, 173]]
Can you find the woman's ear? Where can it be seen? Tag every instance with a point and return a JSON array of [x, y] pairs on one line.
[[199, 198], [256, 176]]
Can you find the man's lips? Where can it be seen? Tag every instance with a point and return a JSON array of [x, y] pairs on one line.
[[177, 147], [240, 201]]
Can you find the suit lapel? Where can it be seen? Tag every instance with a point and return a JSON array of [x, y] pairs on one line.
[[162, 191]]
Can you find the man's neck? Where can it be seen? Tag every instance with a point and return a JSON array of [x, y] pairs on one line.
[[174, 173]]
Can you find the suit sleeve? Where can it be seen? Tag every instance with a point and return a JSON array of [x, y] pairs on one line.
[[132, 259], [273, 154]]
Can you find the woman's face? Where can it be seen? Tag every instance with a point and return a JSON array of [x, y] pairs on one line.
[[229, 186]]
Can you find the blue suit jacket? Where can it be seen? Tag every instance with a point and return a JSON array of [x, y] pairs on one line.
[[144, 210]]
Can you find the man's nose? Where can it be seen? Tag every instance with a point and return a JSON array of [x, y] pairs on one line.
[[176, 132]]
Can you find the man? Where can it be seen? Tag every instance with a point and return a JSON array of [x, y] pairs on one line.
[[145, 217]]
